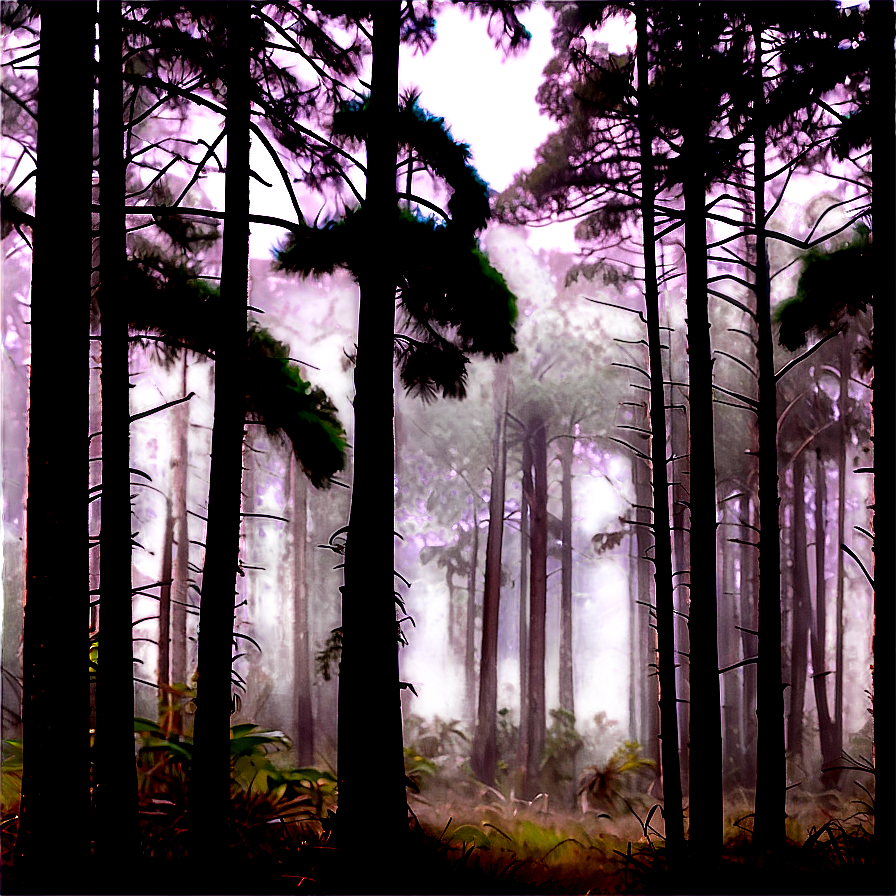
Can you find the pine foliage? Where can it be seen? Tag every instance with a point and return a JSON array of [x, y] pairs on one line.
[[287, 405]]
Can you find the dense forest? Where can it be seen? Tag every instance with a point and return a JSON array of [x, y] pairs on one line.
[[618, 615]]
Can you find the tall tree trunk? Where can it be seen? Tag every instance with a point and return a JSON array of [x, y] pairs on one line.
[[52, 709], [818, 631], [116, 775], [484, 754], [749, 578], [799, 653], [883, 675], [768, 825], [647, 618], [180, 469], [665, 606], [634, 648], [729, 652], [452, 651], [210, 779], [165, 588], [536, 727], [301, 639], [470, 629], [705, 758], [369, 696], [843, 439], [567, 697], [526, 498]]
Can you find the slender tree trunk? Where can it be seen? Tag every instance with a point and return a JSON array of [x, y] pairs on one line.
[[369, 695], [749, 577], [116, 775], [485, 754], [768, 826], [665, 616], [567, 699], [883, 675], [799, 653], [52, 708], [526, 499], [165, 577], [535, 735], [705, 758], [843, 438], [210, 779], [728, 650], [470, 630], [818, 631], [634, 649], [647, 618], [180, 468], [301, 641], [452, 645]]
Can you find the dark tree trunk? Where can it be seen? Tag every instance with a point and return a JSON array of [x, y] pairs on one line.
[[567, 696], [470, 629], [729, 645], [165, 577], [369, 695], [768, 827], [634, 648], [799, 653], [843, 439], [52, 708], [705, 758], [818, 632], [180, 468], [485, 756], [665, 605], [749, 578], [210, 779], [536, 721], [647, 618], [304, 742], [115, 793], [883, 676], [526, 499]]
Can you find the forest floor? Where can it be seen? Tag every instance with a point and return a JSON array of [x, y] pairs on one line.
[[500, 848]]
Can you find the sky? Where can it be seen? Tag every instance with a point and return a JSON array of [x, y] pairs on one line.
[[487, 100]]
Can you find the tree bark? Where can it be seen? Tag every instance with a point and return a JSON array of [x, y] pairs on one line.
[[705, 756], [799, 653], [526, 497], [665, 606], [843, 438], [369, 695], [180, 470], [749, 578], [470, 629], [730, 683], [452, 652], [646, 619], [634, 648], [115, 792], [52, 709], [304, 741], [883, 675], [818, 631], [210, 778], [567, 694], [484, 755], [536, 721], [768, 825]]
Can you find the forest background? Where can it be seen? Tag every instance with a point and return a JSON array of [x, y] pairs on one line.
[[533, 605]]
